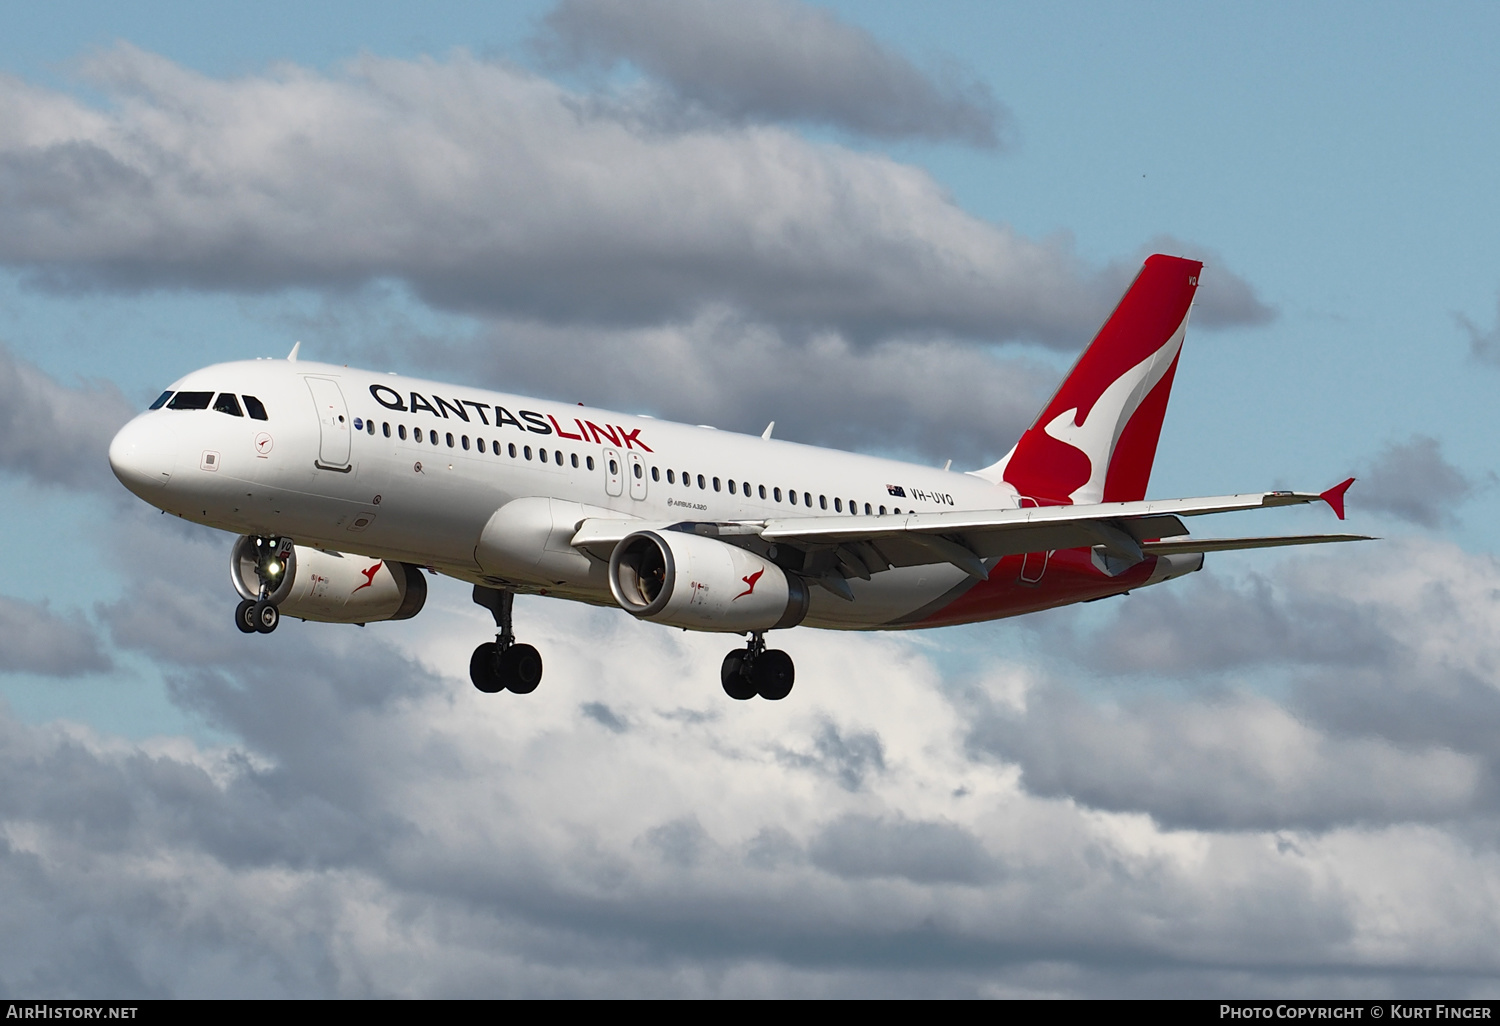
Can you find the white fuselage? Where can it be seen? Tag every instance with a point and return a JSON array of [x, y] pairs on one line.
[[405, 469]]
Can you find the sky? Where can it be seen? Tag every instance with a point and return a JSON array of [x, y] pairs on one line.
[[889, 227]]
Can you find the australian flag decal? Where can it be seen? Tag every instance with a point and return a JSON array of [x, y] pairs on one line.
[[896, 490]]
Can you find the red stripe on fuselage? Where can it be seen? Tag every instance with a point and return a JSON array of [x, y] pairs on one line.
[[1070, 577]]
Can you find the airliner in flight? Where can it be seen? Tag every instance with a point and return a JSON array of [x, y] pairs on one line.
[[343, 485]]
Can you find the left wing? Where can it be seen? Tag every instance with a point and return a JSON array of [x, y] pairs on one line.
[[1121, 533]]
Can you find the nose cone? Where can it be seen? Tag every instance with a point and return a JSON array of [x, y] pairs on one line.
[[143, 457]]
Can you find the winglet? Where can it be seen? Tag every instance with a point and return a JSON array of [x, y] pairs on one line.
[[1335, 497], [767, 432], [292, 356]]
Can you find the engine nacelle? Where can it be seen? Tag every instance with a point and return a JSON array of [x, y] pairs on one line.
[[330, 587], [688, 580]]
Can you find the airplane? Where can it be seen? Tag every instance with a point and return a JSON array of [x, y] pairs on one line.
[[343, 485]]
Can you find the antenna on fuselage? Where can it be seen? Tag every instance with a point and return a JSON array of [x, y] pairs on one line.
[[292, 356], [767, 432]]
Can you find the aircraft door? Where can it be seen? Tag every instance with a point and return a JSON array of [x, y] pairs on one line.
[[637, 475], [614, 473], [333, 423]]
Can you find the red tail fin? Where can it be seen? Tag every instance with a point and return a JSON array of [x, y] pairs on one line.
[[1095, 441]]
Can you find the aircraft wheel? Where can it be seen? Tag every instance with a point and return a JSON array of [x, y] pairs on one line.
[[265, 617], [243, 616], [737, 683], [484, 669], [773, 674], [521, 668]]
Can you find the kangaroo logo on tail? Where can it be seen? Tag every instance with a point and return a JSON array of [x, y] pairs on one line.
[[1096, 439]]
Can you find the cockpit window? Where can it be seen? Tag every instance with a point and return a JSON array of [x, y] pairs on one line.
[[161, 400], [257, 411], [190, 401], [227, 403]]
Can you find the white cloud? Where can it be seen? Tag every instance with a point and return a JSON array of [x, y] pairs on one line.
[[774, 60], [1411, 481], [380, 828], [33, 639], [490, 190], [55, 434]]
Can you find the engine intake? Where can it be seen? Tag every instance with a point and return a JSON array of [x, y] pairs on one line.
[[330, 587], [688, 580]]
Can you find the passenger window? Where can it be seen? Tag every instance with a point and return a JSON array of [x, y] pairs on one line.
[[614, 468], [161, 400], [512, 450], [401, 432], [867, 509], [385, 428], [190, 401], [822, 502], [747, 489], [882, 511], [590, 461], [655, 471], [557, 456], [527, 451], [671, 477], [479, 444], [464, 441], [762, 491], [838, 505], [450, 440], [574, 458], [255, 408], [807, 499], [636, 469], [701, 483], [227, 403], [370, 426], [432, 437], [777, 493], [541, 454], [731, 486], [716, 484]]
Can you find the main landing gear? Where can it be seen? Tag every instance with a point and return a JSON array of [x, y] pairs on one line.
[[260, 615], [503, 665], [757, 670]]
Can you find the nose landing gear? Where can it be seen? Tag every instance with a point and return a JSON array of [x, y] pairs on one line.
[[757, 670], [502, 664], [252, 616], [260, 615]]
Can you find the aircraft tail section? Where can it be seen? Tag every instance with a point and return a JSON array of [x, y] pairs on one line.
[[1096, 439]]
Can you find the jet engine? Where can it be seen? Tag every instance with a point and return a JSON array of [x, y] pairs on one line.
[[688, 580], [330, 587]]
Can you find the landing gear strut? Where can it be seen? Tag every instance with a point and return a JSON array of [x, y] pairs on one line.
[[757, 670], [260, 615], [502, 664]]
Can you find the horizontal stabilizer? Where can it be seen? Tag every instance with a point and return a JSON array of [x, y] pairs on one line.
[[1171, 546]]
